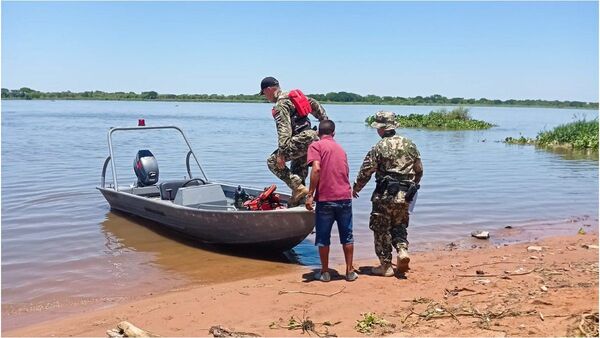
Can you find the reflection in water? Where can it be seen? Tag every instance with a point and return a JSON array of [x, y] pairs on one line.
[[573, 154], [181, 256]]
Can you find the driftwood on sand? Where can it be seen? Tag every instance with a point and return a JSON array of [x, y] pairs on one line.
[[220, 331], [126, 329]]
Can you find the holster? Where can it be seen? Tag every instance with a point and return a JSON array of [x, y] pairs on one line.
[[300, 124], [392, 185], [411, 191]]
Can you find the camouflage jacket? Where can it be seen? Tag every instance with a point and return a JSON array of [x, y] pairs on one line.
[[394, 155], [282, 113]]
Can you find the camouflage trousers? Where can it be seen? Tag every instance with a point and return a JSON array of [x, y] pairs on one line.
[[295, 151], [389, 221]]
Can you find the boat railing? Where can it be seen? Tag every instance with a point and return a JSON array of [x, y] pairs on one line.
[[111, 157], [102, 181]]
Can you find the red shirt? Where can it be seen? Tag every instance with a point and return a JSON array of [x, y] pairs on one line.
[[334, 184]]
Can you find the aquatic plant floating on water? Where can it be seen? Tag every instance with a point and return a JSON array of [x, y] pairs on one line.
[[456, 119], [579, 134]]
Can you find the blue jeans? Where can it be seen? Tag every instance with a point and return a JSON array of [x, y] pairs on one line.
[[336, 211]]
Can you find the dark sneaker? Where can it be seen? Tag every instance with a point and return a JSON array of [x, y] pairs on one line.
[[322, 276]]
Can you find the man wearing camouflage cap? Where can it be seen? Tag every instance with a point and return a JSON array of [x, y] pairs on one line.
[[294, 134], [397, 165]]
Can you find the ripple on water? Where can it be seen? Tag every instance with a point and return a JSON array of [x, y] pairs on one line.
[[59, 239]]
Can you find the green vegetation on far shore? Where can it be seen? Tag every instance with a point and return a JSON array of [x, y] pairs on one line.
[[339, 97], [456, 119], [580, 134]]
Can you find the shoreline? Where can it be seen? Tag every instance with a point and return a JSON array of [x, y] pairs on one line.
[[322, 102], [568, 270]]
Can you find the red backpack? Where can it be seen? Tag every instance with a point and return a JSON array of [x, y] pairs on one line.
[[300, 102]]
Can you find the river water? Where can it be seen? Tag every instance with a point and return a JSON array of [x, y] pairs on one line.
[[62, 245]]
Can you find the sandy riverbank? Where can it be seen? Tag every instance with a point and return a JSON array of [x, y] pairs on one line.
[[520, 293]]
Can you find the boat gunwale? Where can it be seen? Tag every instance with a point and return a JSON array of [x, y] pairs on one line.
[[182, 207]]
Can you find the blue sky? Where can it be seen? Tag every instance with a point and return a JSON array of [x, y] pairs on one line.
[[497, 50]]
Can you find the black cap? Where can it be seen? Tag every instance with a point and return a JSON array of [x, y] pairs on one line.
[[267, 82]]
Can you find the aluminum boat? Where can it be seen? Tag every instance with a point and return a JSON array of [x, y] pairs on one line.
[[199, 208]]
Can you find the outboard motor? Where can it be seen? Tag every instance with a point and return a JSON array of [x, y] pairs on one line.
[[146, 168]]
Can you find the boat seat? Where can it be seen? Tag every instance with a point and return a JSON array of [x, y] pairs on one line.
[[168, 190], [201, 196], [147, 191]]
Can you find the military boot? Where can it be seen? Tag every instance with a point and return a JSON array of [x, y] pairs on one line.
[[384, 269], [403, 259], [300, 192]]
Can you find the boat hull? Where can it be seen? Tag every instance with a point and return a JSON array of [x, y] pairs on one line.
[[273, 230]]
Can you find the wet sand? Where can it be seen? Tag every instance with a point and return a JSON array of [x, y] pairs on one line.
[[145, 260], [519, 293]]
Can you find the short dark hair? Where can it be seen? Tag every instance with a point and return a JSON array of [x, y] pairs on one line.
[[326, 127]]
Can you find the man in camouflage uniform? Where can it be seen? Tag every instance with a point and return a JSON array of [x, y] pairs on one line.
[[396, 163], [293, 139]]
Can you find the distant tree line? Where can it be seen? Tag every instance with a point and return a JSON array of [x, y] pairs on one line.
[[339, 97]]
